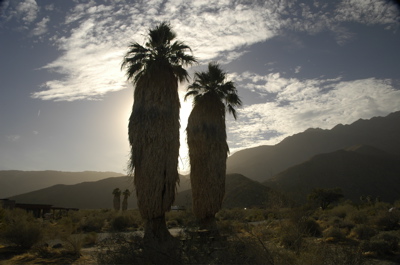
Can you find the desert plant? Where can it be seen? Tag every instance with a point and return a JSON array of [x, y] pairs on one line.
[[206, 138], [126, 194], [154, 125], [325, 197], [117, 199], [21, 229], [387, 221], [291, 237], [74, 244], [122, 223], [382, 244], [333, 234], [363, 232]]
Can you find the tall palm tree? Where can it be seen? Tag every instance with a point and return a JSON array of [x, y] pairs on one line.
[[117, 199], [153, 129], [126, 194], [206, 137]]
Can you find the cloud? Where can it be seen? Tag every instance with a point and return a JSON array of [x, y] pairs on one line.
[[93, 51], [41, 27], [13, 138], [97, 35], [27, 10], [301, 104]]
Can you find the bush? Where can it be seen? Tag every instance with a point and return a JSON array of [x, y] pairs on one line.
[[363, 232], [91, 223], [122, 223], [342, 211], [358, 217], [90, 239], [21, 229], [291, 237], [383, 243], [74, 244], [333, 233], [118, 249], [387, 221], [309, 227]]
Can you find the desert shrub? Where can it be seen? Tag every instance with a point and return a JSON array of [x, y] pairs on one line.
[[317, 254], [382, 244], [387, 221], [358, 217], [122, 223], [309, 227], [255, 215], [291, 237], [21, 229], [333, 234], [90, 239], [74, 244], [231, 214], [91, 223], [342, 211], [180, 218], [118, 249], [363, 232]]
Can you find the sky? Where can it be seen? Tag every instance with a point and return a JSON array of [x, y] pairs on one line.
[[65, 102]]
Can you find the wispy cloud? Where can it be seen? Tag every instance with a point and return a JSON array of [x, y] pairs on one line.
[[96, 35], [13, 138], [41, 27]]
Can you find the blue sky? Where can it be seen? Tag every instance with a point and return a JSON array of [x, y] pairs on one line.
[[65, 102]]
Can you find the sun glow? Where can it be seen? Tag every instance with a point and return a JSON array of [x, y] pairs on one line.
[[186, 108]]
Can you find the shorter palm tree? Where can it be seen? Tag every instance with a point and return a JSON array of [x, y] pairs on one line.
[[206, 137], [126, 194], [117, 199]]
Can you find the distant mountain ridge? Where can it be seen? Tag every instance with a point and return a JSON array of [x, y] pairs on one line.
[[263, 162], [85, 195], [14, 182], [240, 192], [361, 170]]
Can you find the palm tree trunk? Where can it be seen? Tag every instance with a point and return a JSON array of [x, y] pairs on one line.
[[154, 138], [125, 203], [117, 203], [208, 152]]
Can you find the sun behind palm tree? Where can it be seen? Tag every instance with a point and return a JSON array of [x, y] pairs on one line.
[[206, 137], [154, 125]]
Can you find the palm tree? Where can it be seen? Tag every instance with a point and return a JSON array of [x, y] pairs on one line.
[[126, 194], [206, 137], [117, 199], [153, 129]]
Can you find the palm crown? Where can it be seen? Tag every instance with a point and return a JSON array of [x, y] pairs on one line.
[[213, 83], [159, 50]]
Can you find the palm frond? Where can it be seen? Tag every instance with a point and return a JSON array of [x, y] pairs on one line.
[[191, 93]]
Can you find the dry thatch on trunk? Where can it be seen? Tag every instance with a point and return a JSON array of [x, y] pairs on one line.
[[154, 138], [206, 137]]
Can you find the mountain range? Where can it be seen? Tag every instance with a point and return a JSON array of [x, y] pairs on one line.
[[359, 171], [362, 158], [14, 182], [264, 162], [240, 192]]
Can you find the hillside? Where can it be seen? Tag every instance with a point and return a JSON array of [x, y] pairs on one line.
[[263, 162], [14, 182], [361, 170], [86, 195], [239, 192]]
